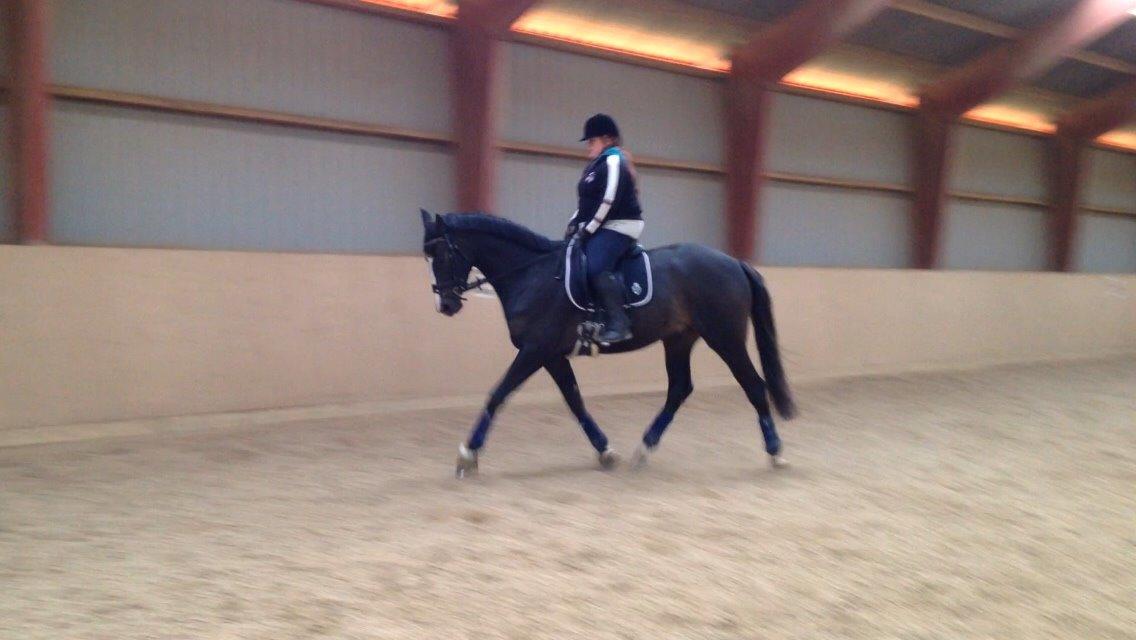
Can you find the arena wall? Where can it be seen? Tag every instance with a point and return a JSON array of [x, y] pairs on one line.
[[124, 176], [97, 334]]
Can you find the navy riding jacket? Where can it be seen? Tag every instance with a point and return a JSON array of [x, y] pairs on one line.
[[608, 197]]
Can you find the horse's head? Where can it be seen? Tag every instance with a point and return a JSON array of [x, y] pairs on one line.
[[449, 268]]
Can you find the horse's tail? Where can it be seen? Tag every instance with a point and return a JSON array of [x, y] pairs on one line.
[[762, 316]]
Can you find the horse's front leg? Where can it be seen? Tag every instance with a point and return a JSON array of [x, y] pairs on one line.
[[524, 365], [561, 371]]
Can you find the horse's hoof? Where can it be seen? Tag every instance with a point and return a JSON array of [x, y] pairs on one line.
[[639, 458], [778, 461], [467, 462], [609, 459]]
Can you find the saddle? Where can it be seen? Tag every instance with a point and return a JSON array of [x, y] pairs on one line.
[[634, 269]]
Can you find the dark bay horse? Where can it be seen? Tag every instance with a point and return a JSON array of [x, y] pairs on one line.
[[699, 293]]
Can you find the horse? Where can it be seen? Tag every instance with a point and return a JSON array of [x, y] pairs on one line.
[[699, 293]]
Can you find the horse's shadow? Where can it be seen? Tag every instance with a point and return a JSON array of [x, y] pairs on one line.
[[413, 484], [635, 479], [542, 473]]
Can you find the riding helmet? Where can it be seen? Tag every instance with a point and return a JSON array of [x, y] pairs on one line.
[[600, 124]]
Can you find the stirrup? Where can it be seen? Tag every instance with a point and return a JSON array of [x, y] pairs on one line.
[[586, 343], [623, 336]]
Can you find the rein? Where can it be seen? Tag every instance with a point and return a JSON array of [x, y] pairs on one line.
[[458, 289]]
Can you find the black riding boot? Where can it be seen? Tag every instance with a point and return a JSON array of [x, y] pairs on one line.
[[617, 328]]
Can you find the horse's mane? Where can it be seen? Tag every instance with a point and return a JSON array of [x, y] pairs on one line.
[[501, 228]]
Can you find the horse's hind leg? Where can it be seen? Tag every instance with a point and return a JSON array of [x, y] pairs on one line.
[[733, 351], [561, 371], [679, 388]]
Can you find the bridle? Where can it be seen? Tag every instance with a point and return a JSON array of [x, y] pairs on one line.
[[456, 285]]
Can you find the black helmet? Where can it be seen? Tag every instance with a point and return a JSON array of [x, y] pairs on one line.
[[600, 124]]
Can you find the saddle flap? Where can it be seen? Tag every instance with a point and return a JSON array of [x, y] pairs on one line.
[[634, 267]]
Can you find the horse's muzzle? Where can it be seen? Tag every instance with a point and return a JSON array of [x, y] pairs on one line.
[[450, 306]]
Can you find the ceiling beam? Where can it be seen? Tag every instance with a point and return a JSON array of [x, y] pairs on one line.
[[475, 78], [979, 24], [391, 11], [1100, 115], [492, 15], [779, 48], [942, 14], [1033, 54], [1104, 62]]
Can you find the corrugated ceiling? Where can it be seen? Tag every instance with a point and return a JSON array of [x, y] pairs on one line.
[[888, 59]]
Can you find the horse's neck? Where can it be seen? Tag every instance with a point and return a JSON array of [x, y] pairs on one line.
[[493, 255], [497, 257]]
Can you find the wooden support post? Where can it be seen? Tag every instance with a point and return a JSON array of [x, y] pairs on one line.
[[1066, 164], [29, 119], [770, 54], [931, 166], [476, 82], [475, 123], [747, 113]]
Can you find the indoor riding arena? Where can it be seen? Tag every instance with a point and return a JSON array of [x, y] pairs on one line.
[[230, 407]]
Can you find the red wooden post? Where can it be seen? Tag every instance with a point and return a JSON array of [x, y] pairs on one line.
[[29, 108], [475, 123], [930, 173], [747, 112], [1068, 163], [476, 51], [769, 55], [1067, 155]]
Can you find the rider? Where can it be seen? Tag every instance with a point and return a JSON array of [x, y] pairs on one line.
[[608, 220]]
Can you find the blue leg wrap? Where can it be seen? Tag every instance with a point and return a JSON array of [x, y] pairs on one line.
[[480, 430], [595, 435], [769, 432], [655, 432]]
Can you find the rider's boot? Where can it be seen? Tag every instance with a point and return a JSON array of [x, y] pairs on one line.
[[610, 294]]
